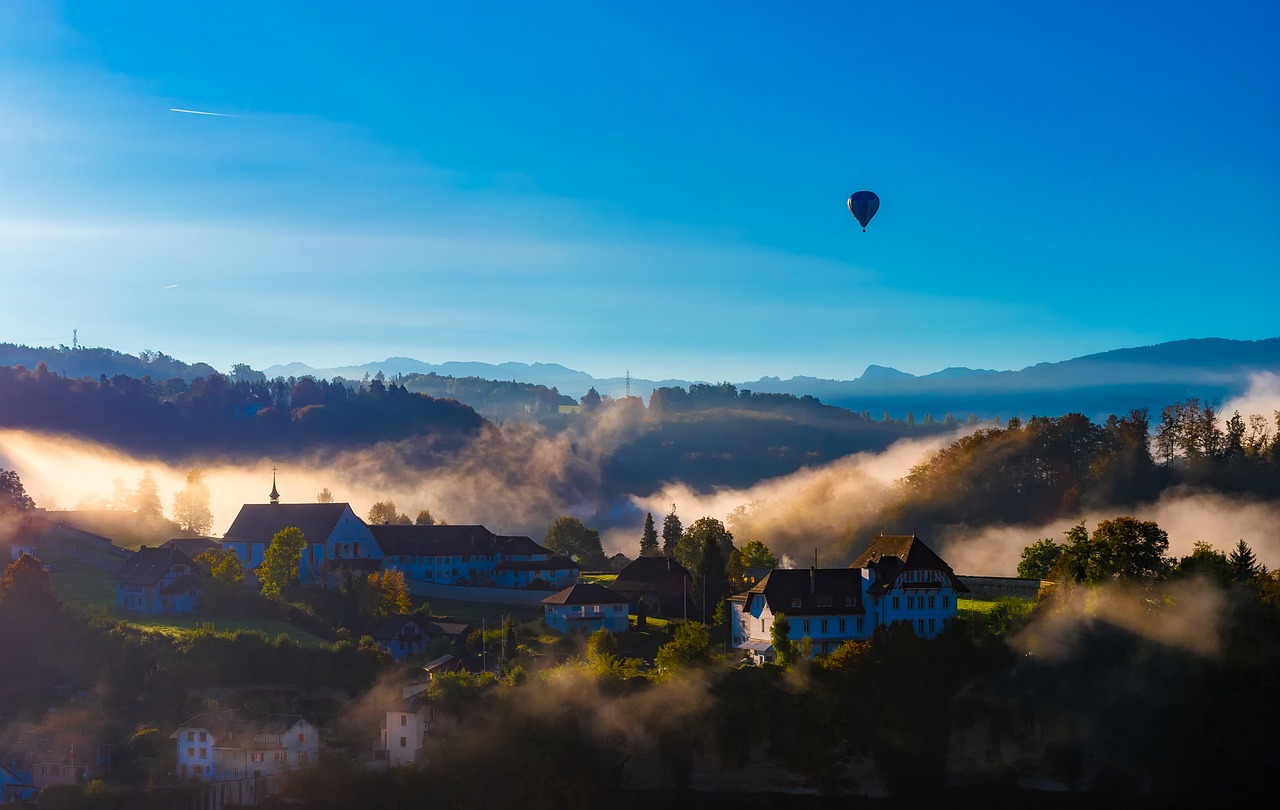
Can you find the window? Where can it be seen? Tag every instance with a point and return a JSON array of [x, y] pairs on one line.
[[795, 602], [895, 603], [859, 625], [204, 753], [824, 626], [919, 625], [946, 601], [53, 770], [204, 736], [824, 601], [257, 756], [191, 753], [302, 756], [199, 770], [848, 601], [191, 736], [931, 600], [931, 625], [806, 627], [404, 720], [911, 603], [404, 742]]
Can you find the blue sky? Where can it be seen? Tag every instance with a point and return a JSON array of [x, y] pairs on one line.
[[650, 187]]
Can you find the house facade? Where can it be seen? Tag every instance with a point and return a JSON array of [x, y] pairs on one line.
[[897, 579], [333, 533], [401, 637], [472, 555], [585, 608], [158, 581], [404, 730], [661, 583], [230, 746]]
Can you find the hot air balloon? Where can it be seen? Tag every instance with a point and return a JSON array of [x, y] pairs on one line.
[[863, 205]]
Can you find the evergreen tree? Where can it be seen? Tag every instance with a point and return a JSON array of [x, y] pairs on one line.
[[191, 505], [649, 539], [1244, 566], [424, 518], [671, 531], [784, 649], [146, 499], [324, 496]]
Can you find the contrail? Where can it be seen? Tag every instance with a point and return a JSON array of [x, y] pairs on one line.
[[170, 287], [202, 112]]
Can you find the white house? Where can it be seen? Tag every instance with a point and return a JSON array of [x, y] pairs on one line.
[[405, 729], [229, 746], [585, 608], [897, 579], [158, 581]]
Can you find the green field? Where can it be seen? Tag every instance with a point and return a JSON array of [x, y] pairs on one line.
[[181, 625], [473, 612], [82, 583]]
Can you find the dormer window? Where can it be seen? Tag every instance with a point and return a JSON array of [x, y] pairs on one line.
[[824, 601], [796, 602]]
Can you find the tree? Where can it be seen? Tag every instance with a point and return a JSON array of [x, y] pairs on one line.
[[1039, 558], [324, 496], [191, 505], [692, 542], [649, 539], [710, 581], [1122, 548], [671, 531], [590, 400], [690, 647], [784, 649], [1244, 566], [389, 592], [25, 591], [384, 513], [757, 555], [223, 565], [1206, 561], [570, 537], [13, 497], [146, 499], [424, 518], [279, 569]]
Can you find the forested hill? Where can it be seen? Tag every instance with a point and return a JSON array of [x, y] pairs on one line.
[[95, 362], [171, 419]]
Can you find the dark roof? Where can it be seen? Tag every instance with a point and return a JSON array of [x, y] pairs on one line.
[[521, 545], [436, 629], [390, 628], [585, 593], [432, 541], [553, 564], [650, 573], [891, 554], [149, 565], [833, 587], [191, 546], [409, 705], [259, 522]]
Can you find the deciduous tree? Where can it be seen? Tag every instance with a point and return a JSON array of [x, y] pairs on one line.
[[278, 572], [191, 504], [384, 512], [1039, 558], [13, 497], [570, 537]]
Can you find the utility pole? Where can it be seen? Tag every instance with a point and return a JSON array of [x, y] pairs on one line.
[[628, 383]]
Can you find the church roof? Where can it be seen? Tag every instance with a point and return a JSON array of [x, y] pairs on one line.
[[259, 522]]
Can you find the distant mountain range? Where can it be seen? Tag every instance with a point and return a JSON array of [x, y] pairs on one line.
[[1213, 369]]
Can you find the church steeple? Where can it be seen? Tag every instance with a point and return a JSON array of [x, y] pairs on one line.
[[275, 496]]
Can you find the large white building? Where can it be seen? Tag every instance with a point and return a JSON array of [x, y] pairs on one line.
[[233, 747], [897, 579]]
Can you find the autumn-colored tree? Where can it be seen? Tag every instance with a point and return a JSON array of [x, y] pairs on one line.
[[389, 592]]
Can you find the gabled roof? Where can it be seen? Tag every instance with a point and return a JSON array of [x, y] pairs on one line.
[[259, 522], [389, 628], [433, 541], [586, 593], [234, 729], [511, 545], [149, 565], [891, 554], [820, 591], [186, 582], [553, 564], [651, 574], [191, 546]]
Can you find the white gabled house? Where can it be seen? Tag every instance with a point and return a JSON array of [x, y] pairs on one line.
[[585, 608], [897, 579], [251, 756], [405, 728]]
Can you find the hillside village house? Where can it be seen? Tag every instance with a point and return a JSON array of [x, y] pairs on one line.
[[405, 728], [338, 540], [158, 581], [897, 579], [15, 784], [251, 756], [661, 583], [585, 608]]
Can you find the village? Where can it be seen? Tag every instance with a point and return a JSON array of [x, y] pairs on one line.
[[508, 599]]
